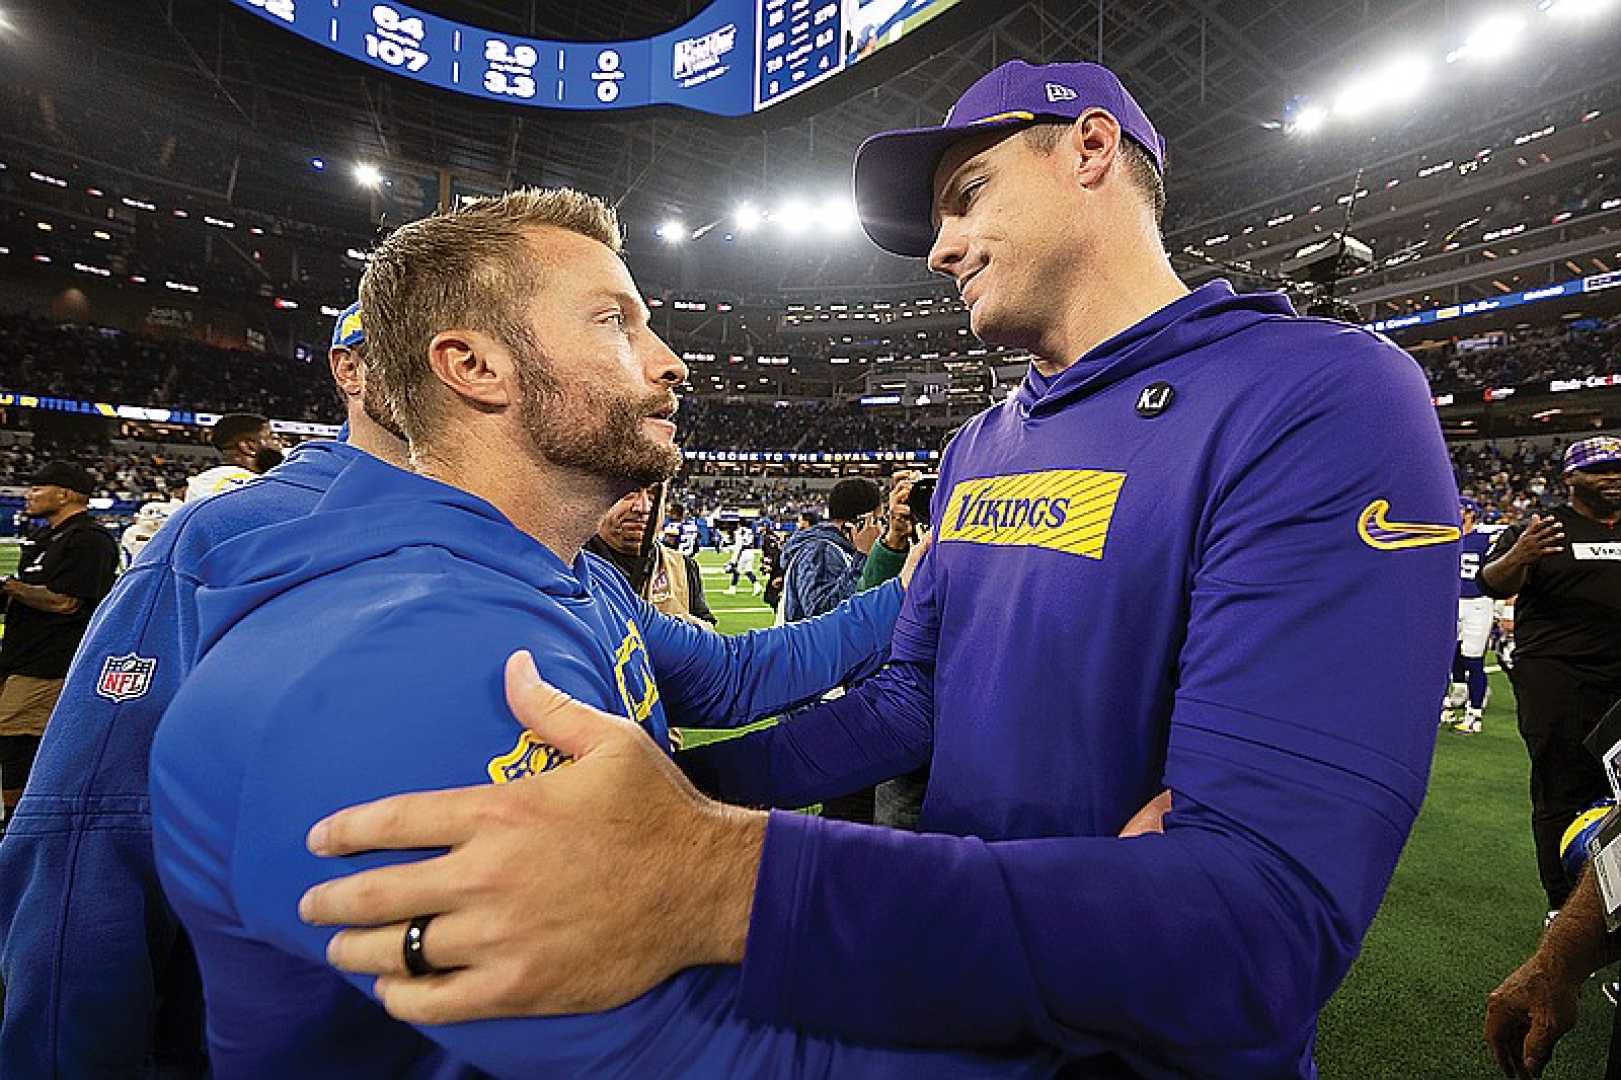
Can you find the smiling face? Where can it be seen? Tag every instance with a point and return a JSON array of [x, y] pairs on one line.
[[1598, 487], [1004, 217]]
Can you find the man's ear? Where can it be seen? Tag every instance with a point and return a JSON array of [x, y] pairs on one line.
[[1094, 139], [474, 367], [346, 371]]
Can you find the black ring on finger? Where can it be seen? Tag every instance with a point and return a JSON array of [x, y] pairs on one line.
[[416, 961]]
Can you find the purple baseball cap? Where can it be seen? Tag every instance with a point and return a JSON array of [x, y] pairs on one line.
[[894, 170], [1599, 450]]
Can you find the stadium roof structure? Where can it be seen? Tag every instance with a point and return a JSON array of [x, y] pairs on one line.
[[1209, 72]]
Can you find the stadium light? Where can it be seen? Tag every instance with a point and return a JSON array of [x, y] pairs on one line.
[[672, 231], [1491, 40], [317, 164], [368, 175], [1355, 99], [793, 217], [1309, 120], [748, 218], [839, 213], [1402, 78]]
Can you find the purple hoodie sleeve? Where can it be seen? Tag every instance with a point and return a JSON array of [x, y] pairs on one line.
[[1293, 793]]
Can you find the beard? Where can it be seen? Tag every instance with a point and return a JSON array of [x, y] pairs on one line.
[[267, 458], [1597, 498], [593, 430], [376, 409]]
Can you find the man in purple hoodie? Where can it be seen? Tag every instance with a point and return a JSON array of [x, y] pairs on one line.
[[1195, 512]]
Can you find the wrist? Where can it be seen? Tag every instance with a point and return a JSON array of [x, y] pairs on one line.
[[730, 843]]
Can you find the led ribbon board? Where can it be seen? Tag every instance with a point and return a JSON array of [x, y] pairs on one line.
[[738, 57]]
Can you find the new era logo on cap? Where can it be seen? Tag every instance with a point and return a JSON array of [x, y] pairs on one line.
[[1057, 92]]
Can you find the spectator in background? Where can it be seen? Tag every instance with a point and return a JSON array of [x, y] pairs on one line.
[[249, 448], [62, 574], [102, 979], [824, 563], [897, 803], [888, 554], [823, 569], [1564, 569], [658, 573], [1540, 1001]]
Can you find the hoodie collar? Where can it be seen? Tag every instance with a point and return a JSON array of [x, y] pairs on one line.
[[373, 509], [1210, 312]]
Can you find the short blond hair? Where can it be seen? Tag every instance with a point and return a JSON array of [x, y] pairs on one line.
[[470, 266]]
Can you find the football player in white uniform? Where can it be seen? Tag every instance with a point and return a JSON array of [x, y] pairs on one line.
[[744, 561], [249, 448], [148, 520]]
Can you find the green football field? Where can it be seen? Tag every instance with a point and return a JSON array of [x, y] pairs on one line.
[[1464, 909]]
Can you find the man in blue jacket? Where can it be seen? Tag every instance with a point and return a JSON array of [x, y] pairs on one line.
[[99, 979], [823, 563], [358, 651], [1147, 561]]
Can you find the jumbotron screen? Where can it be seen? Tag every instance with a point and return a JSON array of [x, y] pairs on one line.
[[737, 57]]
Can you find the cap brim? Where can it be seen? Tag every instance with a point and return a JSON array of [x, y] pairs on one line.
[[894, 182]]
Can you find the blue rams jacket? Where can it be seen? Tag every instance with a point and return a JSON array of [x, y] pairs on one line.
[[358, 652], [1149, 571], [99, 978]]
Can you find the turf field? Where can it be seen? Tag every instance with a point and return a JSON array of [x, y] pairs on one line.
[[1463, 911]]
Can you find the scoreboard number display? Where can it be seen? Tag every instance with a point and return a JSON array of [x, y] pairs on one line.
[[737, 57]]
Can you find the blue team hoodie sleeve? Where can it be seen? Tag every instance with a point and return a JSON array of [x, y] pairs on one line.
[[881, 729], [375, 661], [718, 681], [85, 934], [1293, 795], [98, 974]]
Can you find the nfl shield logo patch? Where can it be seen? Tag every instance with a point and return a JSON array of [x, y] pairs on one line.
[[125, 677]]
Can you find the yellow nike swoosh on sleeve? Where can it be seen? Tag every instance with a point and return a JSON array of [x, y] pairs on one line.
[[1382, 534]]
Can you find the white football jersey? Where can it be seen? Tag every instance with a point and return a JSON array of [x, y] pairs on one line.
[[205, 485]]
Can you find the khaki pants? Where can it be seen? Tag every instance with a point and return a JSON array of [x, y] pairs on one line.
[[26, 703], [25, 706]]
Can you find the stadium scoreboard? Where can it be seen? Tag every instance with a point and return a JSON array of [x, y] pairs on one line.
[[735, 58]]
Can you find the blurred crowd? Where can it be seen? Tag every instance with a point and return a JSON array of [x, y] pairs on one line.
[[1587, 347], [127, 476], [1511, 480], [89, 363]]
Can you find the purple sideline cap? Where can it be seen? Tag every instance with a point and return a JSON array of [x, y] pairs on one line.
[[894, 170], [1599, 450]]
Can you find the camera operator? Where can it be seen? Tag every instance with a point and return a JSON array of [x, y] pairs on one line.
[[888, 555], [1565, 567]]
